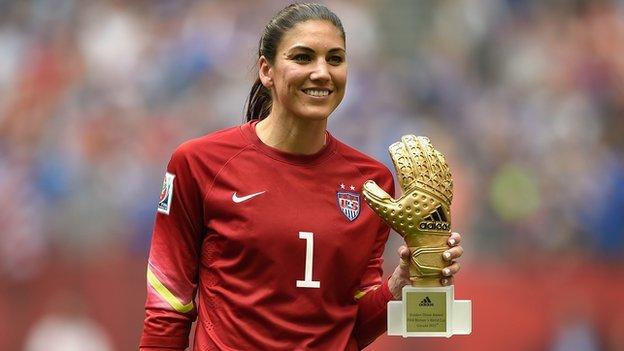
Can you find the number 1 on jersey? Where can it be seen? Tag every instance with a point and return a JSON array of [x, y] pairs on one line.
[[307, 281]]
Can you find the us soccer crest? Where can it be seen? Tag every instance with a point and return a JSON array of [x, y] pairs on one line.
[[349, 203], [166, 194]]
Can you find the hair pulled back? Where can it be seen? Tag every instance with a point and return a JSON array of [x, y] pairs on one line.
[[259, 101]]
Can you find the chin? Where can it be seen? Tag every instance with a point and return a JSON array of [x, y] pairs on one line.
[[316, 114]]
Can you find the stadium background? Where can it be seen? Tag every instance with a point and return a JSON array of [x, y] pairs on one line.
[[525, 97]]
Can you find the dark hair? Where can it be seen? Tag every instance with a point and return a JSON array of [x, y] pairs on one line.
[[259, 101]]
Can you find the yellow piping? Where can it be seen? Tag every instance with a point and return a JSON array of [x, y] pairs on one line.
[[166, 294]]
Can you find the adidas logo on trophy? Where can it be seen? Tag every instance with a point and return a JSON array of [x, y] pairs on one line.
[[426, 302], [422, 216]]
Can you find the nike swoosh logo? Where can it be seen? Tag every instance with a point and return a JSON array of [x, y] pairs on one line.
[[238, 200]]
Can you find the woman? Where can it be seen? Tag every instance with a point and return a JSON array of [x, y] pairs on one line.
[[264, 221]]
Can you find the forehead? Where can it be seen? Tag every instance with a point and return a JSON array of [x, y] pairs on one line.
[[316, 34]]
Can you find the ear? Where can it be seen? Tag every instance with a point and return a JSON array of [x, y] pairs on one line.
[[265, 72]]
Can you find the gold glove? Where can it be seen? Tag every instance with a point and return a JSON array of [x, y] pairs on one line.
[[422, 216]]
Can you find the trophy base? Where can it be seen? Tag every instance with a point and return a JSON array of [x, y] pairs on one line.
[[429, 312]]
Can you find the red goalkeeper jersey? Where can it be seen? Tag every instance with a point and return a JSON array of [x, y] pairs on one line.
[[268, 250]]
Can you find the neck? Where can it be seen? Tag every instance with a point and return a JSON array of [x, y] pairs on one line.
[[292, 135]]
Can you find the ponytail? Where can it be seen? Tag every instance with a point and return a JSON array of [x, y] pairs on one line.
[[259, 102]]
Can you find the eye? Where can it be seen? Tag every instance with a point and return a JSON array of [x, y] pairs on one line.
[[335, 60], [301, 58]]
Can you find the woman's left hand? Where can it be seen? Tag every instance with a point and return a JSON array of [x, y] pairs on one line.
[[400, 276]]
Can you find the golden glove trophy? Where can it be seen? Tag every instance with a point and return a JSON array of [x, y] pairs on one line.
[[422, 216]]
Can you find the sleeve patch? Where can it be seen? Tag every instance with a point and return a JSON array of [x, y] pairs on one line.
[[166, 194]]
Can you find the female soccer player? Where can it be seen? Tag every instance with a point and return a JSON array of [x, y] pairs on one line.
[[264, 222]]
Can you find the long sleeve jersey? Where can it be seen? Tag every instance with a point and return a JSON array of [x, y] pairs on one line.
[[267, 250]]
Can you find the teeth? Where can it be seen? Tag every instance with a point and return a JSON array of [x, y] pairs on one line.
[[314, 92]]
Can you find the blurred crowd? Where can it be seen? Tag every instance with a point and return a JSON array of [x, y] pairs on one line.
[[525, 98]]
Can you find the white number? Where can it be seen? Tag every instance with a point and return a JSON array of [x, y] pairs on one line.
[[307, 281]]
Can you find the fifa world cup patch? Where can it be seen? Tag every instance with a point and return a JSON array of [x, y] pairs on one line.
[[166, 194], [348, 202]]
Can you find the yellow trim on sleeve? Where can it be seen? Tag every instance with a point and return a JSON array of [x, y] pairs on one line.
[[166, 294], [359, 294]]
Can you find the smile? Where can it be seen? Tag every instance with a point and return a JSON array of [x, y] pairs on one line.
[[317, 92]]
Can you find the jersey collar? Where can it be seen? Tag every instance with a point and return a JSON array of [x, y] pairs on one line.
[[249, 131]]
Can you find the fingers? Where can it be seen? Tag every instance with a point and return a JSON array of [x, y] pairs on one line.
[[403, 164], [446, 281], [454, 239], [451, 270], [456, 251], [373, 192], [400, 277], [413, 146], [404, 254], [453, 253], [450, 255], [379, 200]]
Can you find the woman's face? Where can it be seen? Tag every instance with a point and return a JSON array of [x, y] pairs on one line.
[[309, 75]]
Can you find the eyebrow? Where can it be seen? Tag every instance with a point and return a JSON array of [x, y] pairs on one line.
[[307, 49]]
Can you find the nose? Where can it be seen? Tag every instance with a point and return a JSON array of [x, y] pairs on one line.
[[320, 71]]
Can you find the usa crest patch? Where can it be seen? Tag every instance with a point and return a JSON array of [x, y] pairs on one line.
[[166, 194], [349, 204]]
